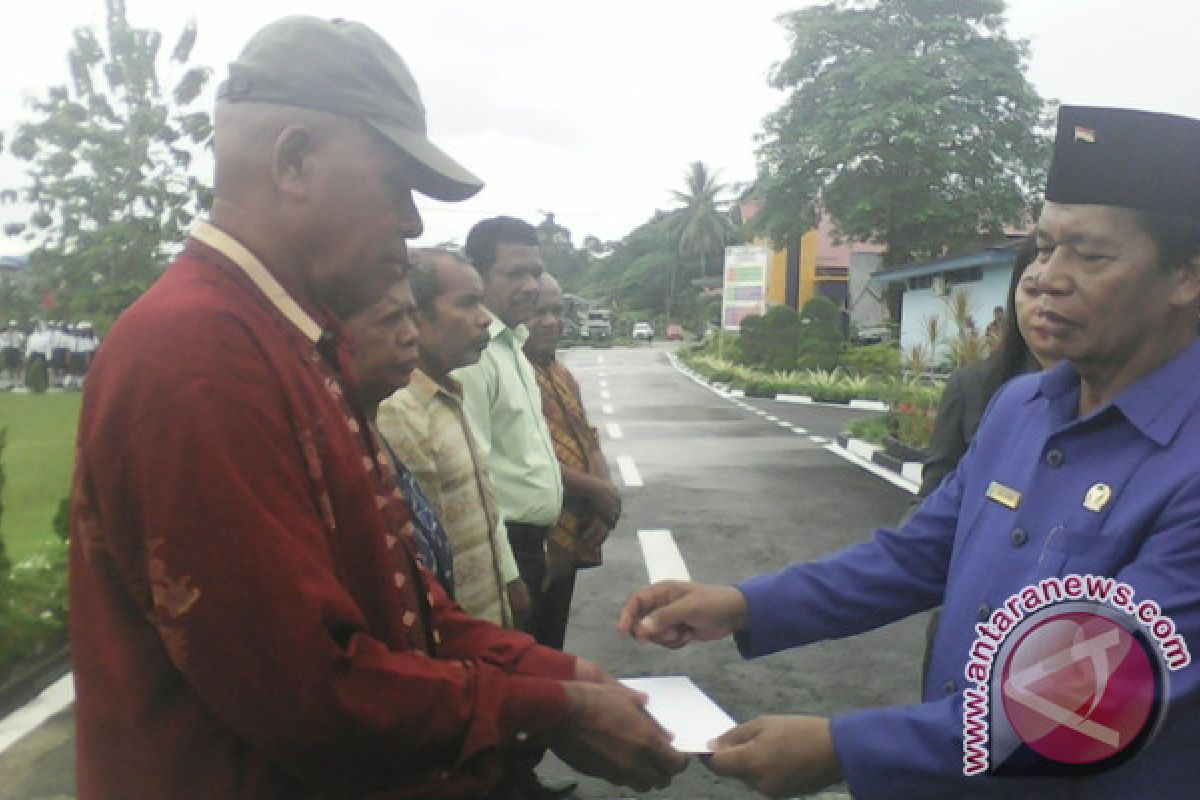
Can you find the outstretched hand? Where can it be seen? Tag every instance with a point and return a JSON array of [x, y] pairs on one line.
[[778, 756], [610, 735], [673, 613]]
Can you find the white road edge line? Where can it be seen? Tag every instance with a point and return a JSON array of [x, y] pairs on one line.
[[870, 466], [663, 559], [614, 431], [629, 472], [23, 721]]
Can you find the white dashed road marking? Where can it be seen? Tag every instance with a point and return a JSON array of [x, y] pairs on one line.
[[614, 431], [605, 394], [663, 560], [818, 440], [607, 408], [772, 418], [799, 431], [629, 472]]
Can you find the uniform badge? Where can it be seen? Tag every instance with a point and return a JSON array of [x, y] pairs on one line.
[[1097, 497], [1009, 498]]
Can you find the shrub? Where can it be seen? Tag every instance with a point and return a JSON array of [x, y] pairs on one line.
[[772, 341], [869, 429], [821, 337], [872, 359], [761, 387], [913, 411]]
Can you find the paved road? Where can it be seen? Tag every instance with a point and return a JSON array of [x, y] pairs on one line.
[[741, 495]]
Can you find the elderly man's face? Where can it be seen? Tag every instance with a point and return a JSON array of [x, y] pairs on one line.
[[546, 325], [385, 343], [361, 212], [1104, 297]]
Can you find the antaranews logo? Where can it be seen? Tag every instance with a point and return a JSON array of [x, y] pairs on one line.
[[1069, 676]]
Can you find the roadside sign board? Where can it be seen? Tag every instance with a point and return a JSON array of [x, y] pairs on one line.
[[745, 288]]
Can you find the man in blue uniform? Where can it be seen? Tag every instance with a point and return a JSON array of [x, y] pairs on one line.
[[1087, 469]]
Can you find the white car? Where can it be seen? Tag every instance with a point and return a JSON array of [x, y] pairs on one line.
[[642, 330]]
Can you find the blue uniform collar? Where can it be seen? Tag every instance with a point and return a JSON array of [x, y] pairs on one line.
[[1157, 405]]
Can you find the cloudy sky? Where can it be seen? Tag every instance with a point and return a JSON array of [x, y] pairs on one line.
[[592, 109]]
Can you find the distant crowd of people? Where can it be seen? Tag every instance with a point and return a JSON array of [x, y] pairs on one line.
[[64, 349], [331, 496]]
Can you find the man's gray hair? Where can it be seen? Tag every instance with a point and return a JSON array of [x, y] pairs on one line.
[[423, 270]]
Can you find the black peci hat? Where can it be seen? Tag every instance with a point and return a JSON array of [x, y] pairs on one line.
[[1122, 157]]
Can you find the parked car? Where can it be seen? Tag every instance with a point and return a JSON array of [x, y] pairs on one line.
[[642, 330], [674, 333]]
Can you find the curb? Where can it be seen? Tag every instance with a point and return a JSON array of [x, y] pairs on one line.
[[726, 390], [907, 473], [904, 474], [33, 679]]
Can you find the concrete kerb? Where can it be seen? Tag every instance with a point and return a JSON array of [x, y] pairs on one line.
[[905, 474]]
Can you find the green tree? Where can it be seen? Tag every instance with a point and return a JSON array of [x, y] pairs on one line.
[[109, 157], [910, 122], [563, 260], [701, 228]]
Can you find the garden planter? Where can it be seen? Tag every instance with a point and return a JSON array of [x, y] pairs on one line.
[[901, 451]]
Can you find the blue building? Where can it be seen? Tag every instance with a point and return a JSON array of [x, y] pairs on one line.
[[926, 290]]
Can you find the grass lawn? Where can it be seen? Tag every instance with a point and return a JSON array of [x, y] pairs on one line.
[[37, 465]]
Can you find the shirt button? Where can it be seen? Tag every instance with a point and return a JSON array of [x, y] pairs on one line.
[[1054, 458], [983, 612], [949, 688], [1019, 537]]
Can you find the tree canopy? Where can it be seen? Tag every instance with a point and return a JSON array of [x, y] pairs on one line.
[[109, 156], [701, 227], [910, 122]]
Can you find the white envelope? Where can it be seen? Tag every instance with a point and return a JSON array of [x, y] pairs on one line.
[[683, 710]]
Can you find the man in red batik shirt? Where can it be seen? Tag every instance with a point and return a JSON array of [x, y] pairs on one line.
[[248, 616]]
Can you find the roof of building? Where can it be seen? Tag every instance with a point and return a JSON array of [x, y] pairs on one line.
[[998, 255]]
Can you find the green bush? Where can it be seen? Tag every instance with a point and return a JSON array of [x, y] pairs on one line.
[[773, 341], [872, 359], [869, 429], [761, 388], [37, 377], [820, 339]]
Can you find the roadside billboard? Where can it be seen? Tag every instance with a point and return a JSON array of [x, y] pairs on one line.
[[745, 286]]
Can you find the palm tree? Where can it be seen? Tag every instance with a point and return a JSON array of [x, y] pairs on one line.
[[701, 227]]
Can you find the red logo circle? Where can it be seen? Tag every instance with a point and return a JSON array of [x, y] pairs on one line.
[[1079, 688]]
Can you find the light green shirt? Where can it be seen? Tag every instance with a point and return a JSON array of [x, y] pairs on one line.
[[504, 406]]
